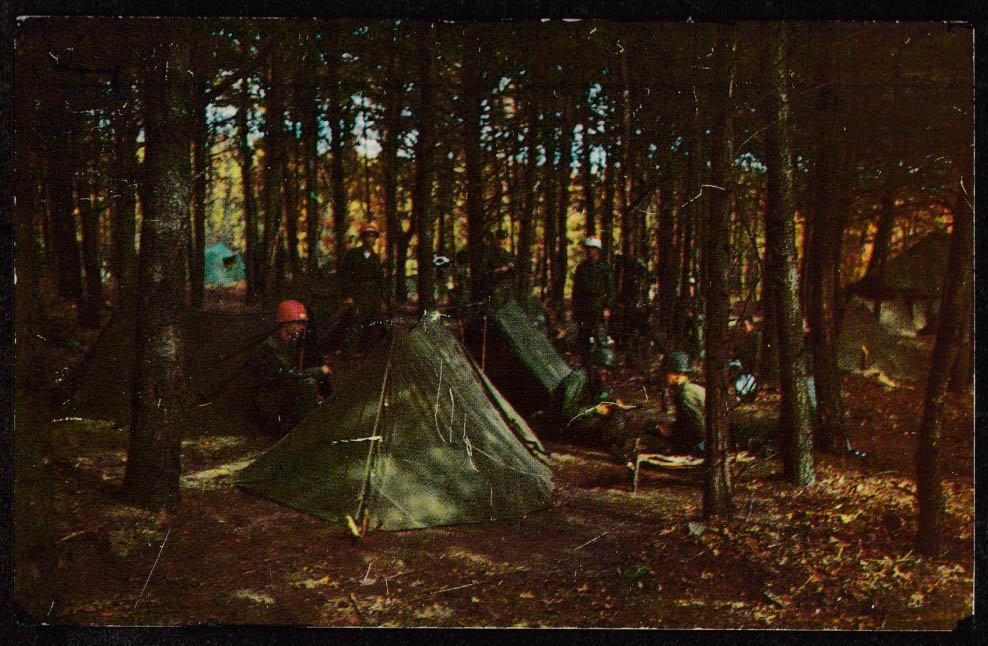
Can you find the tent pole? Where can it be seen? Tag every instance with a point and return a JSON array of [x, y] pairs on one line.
[[362, 507]]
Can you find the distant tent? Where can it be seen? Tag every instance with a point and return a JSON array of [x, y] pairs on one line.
[[418, 438], [911, 285], [217, 345], [518, 357], [223, 266]]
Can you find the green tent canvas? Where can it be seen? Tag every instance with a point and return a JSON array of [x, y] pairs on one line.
[[223, 266], [518, 357], [217, 344], [417, 438]]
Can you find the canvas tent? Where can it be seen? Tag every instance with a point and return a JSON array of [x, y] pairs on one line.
[[518, 357], [223, 266], [418, 438], [910, 288], [217, 345]]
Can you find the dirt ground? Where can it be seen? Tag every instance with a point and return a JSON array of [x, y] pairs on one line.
[[836, 554]]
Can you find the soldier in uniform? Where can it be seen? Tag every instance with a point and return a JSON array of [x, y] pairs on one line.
[[283, 392], [686, 432], [362, 283], [496, 267], [593, 297], [584, 402]]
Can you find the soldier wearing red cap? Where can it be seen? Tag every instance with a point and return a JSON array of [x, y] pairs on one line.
[[362, 282], [284, 391]]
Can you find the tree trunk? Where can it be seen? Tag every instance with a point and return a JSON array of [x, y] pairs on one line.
[[589, 214], [310, 155], [821, 276], [562, 209], [68, 270], [389, 169], [667, 267], [200, 148], [422, 199], [291, 196], [526, 219], [336, 179], [251, 251], [123, 255], [92, 305], [953, 317], [154, 452], [717, 490], [550, 219], [274, 150], [780, 233], [472, 109], [607, 208]]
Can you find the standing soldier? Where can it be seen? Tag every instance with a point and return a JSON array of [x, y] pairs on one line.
[[593, 297], [362, 283], [283, 391], [496, 266]]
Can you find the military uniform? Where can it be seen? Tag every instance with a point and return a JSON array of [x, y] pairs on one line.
[[583, 423], [282, 394], [362, 279], [492, 282], [593, 292], [688, 429]]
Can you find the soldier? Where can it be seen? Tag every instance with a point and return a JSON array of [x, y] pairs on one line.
[[284, 392], [686, 432], [362, 283], [496, 267], [585, 405], [593, 297]]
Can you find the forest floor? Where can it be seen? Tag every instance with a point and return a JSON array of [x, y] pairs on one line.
[[836, 554]]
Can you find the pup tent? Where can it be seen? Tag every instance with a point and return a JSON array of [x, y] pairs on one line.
[[518, 357], [907, 294], [223, 266], [418, 438], [218, 344]]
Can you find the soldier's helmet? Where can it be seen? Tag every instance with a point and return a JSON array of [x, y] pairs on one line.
[[592, 243], [677, 361], [369, 229], [291, 311]]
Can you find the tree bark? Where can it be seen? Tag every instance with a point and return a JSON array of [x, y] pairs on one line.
[[123, 255], [337, 185], [472, 97], [68, 269], [310, 139], [821, 269], [251, 251], [274, 150], [589, 212], [200, 147], [717, 489], [780, 233], [526, 219], [89, 211], [564, 174], [607, 208], [422, 199], [666, 263], [154, 452], [953, 317], [393, 91]]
